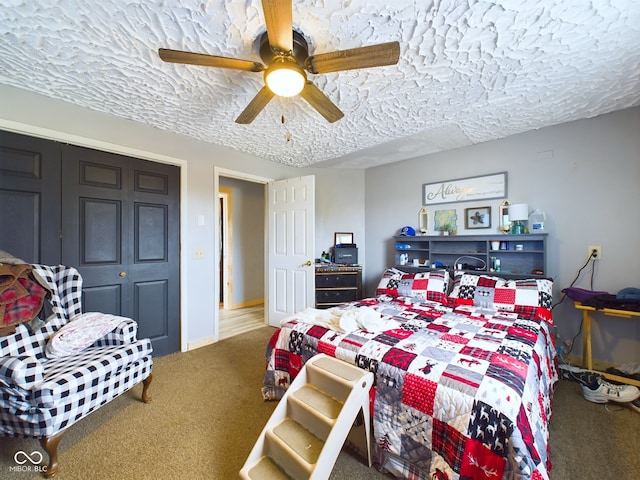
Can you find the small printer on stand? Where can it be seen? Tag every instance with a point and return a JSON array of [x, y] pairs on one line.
[[345, 253]]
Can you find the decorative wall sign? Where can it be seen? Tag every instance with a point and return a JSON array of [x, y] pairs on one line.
[[478, 217], [465, 189]]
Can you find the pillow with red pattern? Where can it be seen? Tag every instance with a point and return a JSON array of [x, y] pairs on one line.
[[421, 286], [531, 297], [388, 284]]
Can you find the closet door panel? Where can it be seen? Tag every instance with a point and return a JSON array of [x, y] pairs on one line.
[[151, 233], [151, 301], [100, 232], [99, 175], [121, 227], [30, 198], [95, 227], [20, 219], [103, 298], [155, 223]]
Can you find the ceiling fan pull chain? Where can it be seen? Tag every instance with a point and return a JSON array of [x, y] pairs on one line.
[[287, 133]]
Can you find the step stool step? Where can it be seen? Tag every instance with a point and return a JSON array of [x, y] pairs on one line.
[[299, 439], [266, 469], [340, 369], [334, 377], [319, 400]]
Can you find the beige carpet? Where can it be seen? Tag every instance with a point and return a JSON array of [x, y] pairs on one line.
[[207, 412]]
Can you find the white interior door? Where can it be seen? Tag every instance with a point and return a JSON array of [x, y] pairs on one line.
[[290, 247]]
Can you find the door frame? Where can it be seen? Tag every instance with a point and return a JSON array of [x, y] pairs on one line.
[[226, 244], [224, 172]]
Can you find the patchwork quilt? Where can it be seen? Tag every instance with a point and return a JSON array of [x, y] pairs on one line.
[[461, 391]]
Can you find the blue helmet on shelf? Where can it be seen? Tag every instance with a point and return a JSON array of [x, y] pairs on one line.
[[408, 231]]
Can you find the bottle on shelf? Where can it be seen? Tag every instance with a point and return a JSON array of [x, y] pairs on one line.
[[537, 221]]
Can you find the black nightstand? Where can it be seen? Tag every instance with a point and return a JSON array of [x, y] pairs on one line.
[[337, 284]]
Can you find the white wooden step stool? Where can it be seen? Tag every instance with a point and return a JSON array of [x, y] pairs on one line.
[[306, 431]]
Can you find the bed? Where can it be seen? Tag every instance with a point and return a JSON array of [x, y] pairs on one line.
[[464, 373]]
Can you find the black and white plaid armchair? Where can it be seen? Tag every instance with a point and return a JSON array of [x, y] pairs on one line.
[[42, 397]]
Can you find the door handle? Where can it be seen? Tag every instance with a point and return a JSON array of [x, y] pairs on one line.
[[122, 274], [307, 263]]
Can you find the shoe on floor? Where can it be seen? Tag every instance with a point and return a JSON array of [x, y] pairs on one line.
[[605, 392], [587, 378]]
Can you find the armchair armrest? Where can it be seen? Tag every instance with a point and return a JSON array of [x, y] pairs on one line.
[[21, 371], [126, 332]]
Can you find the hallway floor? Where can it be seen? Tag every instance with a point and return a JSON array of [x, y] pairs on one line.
[[240, 320]]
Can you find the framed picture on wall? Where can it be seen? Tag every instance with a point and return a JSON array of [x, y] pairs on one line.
[[478, 217], [445, 221], [343, 238]]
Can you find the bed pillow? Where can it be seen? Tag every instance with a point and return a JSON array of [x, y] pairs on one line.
[[432, 285], [388, 284], [531, 297], [455, 284], [81, 332]]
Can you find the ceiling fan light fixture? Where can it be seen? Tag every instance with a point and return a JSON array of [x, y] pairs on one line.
[[285, 77]]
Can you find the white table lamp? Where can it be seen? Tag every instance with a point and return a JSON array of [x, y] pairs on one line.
[[518, 212]]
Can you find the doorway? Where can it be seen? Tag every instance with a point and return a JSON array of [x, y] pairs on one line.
[[241, 261], [287, 231]]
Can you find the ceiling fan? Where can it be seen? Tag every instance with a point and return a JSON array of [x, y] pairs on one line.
[[286, 55]]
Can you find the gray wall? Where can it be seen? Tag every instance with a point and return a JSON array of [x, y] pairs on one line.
[[340, 207], [247, 223], [584, 175]]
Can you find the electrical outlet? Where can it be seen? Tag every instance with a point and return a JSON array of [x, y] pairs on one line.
[[198, 253], [598, 252]]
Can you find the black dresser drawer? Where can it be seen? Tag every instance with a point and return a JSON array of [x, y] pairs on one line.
[[338, 280], [336, 296], [337, 284]]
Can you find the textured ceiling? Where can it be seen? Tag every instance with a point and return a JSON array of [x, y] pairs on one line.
[[469, 71]]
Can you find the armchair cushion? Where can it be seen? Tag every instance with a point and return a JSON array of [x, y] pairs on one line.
[[81, 332], [86, 374], [22, 371]]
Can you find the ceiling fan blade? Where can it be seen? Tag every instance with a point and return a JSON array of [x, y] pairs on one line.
[[176, 56], [363, 57], [255, 106], [321, 103], [279, 19]]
